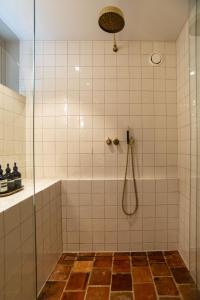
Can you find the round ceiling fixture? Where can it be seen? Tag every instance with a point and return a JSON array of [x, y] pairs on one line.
[[156, 58]]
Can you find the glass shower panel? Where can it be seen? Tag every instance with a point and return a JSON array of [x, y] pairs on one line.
[[193, 136], [198, 138], [17, 211], [194, 47]]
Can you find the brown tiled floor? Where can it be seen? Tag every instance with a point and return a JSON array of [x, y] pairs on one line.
[[120, 276]]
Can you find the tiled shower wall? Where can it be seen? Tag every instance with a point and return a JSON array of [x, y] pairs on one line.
[[12, 129], [17, 243], [48, 231], [85, 93], [93, 219]]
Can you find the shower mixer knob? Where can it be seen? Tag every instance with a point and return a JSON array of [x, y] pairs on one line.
[[116, 141], [108, 141]]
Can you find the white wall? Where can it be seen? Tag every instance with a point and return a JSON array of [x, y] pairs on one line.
[[93, 219], [85, 93]]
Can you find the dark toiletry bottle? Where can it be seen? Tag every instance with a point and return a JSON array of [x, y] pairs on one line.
[[17, 177], [10, 178], [3, 182]]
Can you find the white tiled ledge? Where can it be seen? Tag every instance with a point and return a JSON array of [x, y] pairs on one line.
[[41, 184], [9, 201], [118, 179]]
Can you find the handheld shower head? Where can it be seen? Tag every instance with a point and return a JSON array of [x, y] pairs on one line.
[[127, 137]]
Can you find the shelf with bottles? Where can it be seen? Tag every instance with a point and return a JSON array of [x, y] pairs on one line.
[[10, 182]]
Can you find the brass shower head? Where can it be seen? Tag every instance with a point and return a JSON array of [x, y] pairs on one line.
[[111, 20]]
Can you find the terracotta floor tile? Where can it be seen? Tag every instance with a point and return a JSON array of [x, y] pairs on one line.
[[85, 258], [103, 262], [104, 253], [174, 259], [77, 281], [121, 282], [121, 296], [52, 290], [69, 256], [82, 266], [136, 253], [141, 274], [169, 298], [139, 261], [144, 291], [86, 254], [160, 269], [155, 256], [165, 286], [60, 273], [121, 266], [76, 267], [121, 255], [182, 275], [100, 277], [73, 296], [97, 293], [189, 292], [171, 252], [67, 262]]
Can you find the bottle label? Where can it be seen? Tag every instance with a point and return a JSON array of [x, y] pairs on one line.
[[11, 185], [3, 186], [18, 183]]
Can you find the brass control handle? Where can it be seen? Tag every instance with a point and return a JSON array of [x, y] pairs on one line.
[[116, 141], [108, 141]]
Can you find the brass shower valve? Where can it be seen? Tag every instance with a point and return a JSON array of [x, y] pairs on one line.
[[116, 141], [108, 141]]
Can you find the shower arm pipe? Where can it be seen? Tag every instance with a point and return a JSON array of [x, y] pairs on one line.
[[115, 48]]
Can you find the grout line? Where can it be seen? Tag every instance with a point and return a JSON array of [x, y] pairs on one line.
[[177, 286], [67, 281], [131, 268], [111, 275], [149, 265], [86, 290]]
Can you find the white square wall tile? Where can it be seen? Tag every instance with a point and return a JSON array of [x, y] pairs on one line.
[[95, 93]]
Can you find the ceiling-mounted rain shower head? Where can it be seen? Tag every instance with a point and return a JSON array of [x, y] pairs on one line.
[[111, 20]]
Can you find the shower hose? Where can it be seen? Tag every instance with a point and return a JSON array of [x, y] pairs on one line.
[[130, 149]]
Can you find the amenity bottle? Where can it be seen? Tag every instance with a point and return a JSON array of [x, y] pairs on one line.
[[17, 177], [10, 178], [3, 182]]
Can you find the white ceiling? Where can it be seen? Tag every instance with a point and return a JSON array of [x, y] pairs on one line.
[[78, 19]]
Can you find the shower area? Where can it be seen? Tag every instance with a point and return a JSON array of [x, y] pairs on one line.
[[99, 109]]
